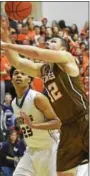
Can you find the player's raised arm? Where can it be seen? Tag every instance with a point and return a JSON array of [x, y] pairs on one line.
[[24, 65], [51, 54]]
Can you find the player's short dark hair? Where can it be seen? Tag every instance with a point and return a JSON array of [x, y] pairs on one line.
[[64, 43], [12, 71]]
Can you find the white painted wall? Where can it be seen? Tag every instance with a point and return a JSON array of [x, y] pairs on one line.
[[71, 12]]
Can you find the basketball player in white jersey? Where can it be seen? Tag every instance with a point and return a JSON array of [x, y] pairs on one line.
[[39, 125]]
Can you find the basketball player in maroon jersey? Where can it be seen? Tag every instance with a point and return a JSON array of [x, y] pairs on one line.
[[66, 92]]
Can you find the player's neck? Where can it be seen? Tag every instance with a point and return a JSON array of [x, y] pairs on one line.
[[21, 92]]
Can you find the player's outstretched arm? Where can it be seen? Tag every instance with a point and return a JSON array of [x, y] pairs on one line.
[[51, 120], [45, 55], [31, 51], [25, 66]]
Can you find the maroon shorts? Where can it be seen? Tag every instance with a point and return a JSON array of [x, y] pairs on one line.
[[74, 144]]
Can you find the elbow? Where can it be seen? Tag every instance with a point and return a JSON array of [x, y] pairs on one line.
[[59, 124]]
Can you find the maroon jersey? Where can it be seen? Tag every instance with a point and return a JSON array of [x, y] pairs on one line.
[[66, 93]]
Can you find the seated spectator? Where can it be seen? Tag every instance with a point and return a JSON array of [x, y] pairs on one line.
[[86, 81], [49, 33], [55, 30], [37, 34], [41, 42], [5, 76], [86, 27], [83, 37], [8, 116], [43, 30], [31, 34], [5, 67], [62, 25], [30, 20], [85, 62], [60, 34], [74, 30], [11, 152], [25, 33], [19, 28], [83, 47], [44, 21], [13, 36]]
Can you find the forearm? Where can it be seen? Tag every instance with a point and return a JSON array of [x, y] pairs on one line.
[[51, 125], [12, 55], [26, 50]]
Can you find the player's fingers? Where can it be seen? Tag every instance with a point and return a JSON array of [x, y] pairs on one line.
[[23, 114]]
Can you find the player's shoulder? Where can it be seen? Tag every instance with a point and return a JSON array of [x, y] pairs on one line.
[[33, 94]]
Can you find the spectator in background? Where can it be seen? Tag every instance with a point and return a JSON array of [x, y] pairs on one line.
[[31, 32], [6, 85], [83, 47], [62, 25], [49, 33], [29, 20], [86, 27], [74, 30], [44, 21], [43, 30], [60, 33], [55, 30], [76, 37], [11, 152], [13, 24], [27, 42], [13, 36], [19, 28], [83, 38], [41, 42], [8, 116], [86, 81], [37, 34], [54, 23], [24, 34], [85, 62]]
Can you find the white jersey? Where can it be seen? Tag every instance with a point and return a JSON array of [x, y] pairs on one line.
[[33, 137]]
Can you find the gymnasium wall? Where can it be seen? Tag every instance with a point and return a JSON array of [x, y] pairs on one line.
[[71, 12]]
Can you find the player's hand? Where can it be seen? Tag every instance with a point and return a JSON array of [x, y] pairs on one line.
[[4, 27], [4, 45], [26, 119]]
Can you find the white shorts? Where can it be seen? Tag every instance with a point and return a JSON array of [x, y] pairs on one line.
[[36, 162], [83, 170]]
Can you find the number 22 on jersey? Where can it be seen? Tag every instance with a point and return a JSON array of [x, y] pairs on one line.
[[53, 92]]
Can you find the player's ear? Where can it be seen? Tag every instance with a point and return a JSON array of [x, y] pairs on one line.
[[30, 79]]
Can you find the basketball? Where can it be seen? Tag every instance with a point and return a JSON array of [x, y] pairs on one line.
[[18, 10]]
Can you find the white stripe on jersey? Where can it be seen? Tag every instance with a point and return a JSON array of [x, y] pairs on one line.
[[76, 92]]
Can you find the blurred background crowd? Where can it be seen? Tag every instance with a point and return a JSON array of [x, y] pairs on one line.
[[30, 33]]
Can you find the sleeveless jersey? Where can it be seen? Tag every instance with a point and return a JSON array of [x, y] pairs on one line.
[[66, 93], [33, 137]]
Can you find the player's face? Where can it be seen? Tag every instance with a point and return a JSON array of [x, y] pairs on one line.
[[19, 79], [53, 44]]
